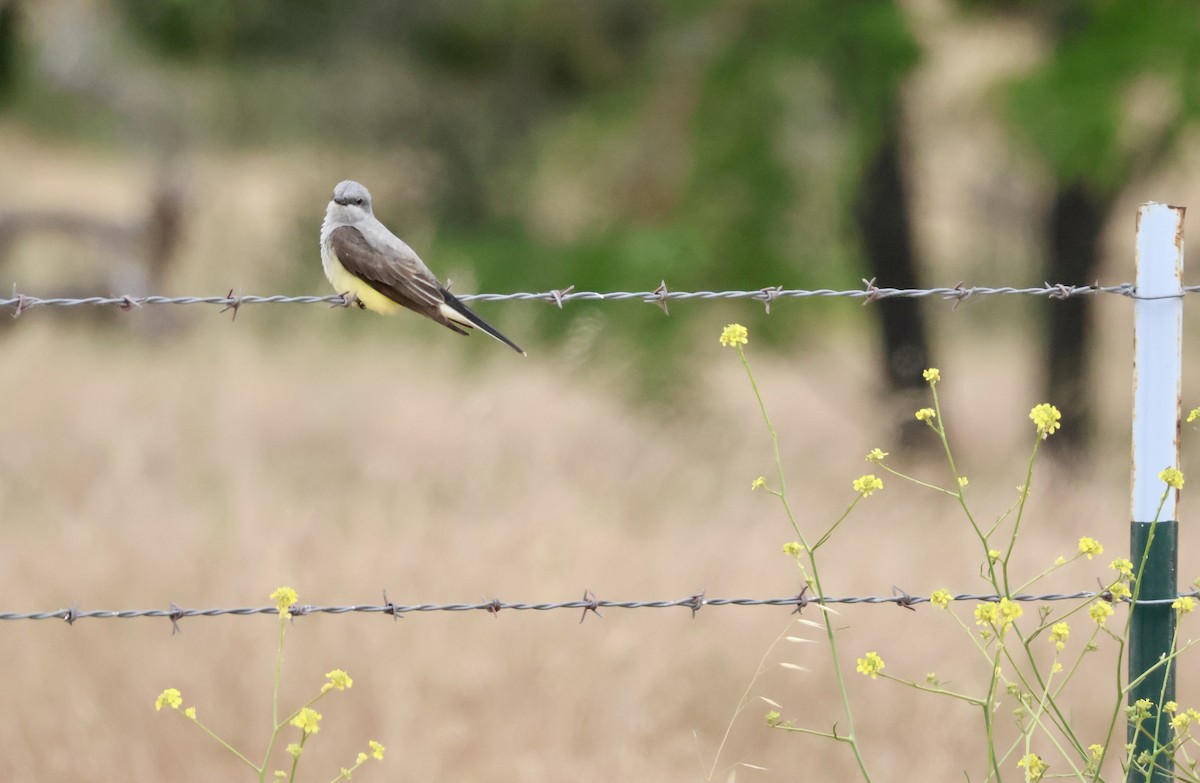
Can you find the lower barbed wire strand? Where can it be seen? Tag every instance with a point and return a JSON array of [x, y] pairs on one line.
[[693, 602]]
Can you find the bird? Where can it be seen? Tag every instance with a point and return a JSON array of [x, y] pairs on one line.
[[363, 259]]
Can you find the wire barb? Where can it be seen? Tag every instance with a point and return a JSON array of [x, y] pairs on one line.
[[661, 296], [234, 303], [175, 616], [558, 295], [390, 608], [590, 605]]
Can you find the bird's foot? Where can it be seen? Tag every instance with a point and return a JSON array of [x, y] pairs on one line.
[[351, 299]]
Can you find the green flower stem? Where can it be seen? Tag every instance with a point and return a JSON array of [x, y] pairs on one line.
[[1041, 685], [972, 700], [1000, 519], [940, 429], [989, 724], [851, 737], [834, 526], [988, 718], [1120, 640], [917, 481], [762, 407], [1044, 701], [1025, 585], [1167, 662], [814, 733], [296, 759], [275, 702], [226, 745], [1078, 660], [1012, 539]]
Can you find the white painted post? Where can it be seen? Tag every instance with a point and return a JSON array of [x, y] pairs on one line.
[[1154, 533], [1158, 356]]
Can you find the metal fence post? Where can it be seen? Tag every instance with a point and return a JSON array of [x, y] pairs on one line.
[[1158, 362]]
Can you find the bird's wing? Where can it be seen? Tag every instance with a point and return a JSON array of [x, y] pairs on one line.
[[397, 273]]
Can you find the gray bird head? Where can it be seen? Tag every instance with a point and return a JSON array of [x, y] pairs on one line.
[[351, 203]]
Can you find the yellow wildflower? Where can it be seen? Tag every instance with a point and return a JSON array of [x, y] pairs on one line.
[[1090, 547], [734, 335], [1046, 417], [1100, 612], [1058, 634], [871, 665], [337, 679], [865, 485], [307, 720], [284, 597], [1034, 766], [171, 697]]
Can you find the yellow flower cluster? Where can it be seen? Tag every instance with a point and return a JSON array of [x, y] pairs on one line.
[[865, 485], [871, 665], [998, 616], [307, 720], [1090, 547], [1047, 419], [284, 597], [1100, 612], [337, 679], [734, 335], [941, 598], [1058, 634], [1035, 768], [171, 697], [1172, 477]]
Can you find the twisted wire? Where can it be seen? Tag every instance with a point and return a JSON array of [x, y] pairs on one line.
[[21, 303], [589, 602]]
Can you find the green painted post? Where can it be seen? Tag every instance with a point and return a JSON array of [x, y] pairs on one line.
[[1154, 532]]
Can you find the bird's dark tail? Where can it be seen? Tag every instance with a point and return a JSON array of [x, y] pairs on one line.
[[460, 308]]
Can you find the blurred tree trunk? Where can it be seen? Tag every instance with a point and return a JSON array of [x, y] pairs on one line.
[[1076, 219], [882, 217], [8, 50]]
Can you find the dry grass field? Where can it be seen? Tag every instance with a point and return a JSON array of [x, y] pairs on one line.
[[216, 463]]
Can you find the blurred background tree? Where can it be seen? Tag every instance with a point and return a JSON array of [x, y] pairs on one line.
[[715, 145], [1108, 107]]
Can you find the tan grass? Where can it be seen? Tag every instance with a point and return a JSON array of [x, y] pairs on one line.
[[213, 465]]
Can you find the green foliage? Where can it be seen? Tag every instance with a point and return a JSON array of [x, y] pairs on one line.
[[1077, 111], [218, 29]]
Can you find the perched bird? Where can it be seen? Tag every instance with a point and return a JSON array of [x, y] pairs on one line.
[[361, 257]]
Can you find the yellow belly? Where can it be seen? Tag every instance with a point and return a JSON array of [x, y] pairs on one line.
[[344, 282]]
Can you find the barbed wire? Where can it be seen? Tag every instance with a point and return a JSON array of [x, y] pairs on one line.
[[21, 303], [589, 603]]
